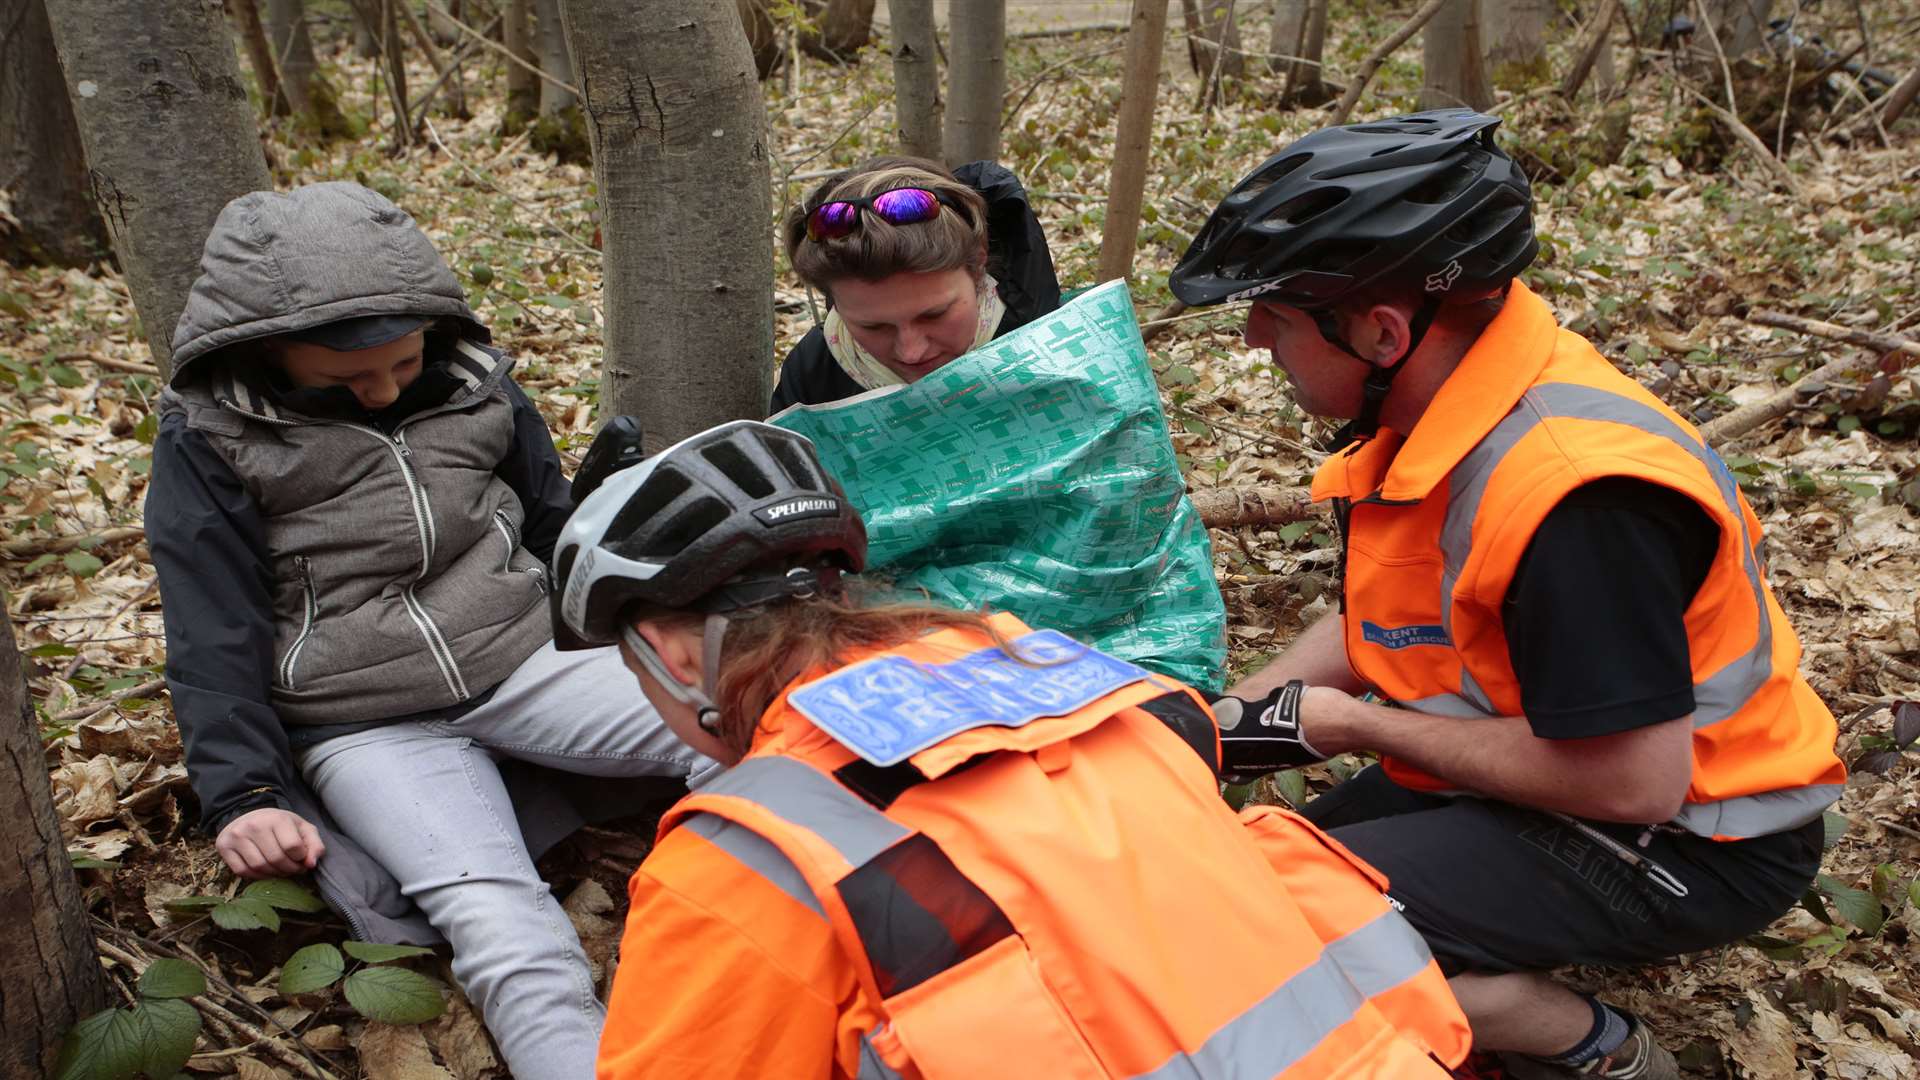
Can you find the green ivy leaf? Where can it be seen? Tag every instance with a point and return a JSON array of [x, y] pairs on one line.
[[83, 861], [148, 428], [82, 564], [315, 967], [194, 905], [1292, 785], [246, 913], [53, 648], [1836, 826], [1857, 906], [394, 995], [1294, 530], [375, 953], [285, 895], [62, 375], [169, 978], [1886, 884]]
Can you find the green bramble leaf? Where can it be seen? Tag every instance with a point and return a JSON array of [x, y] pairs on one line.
[[315, 967], [169, 978], [83, 861], [82, 564], [285, 895], [1292, 785], [374, 953], [194, 905], [1835, 826], [1857, 906], [394, 995], [154, 1039], [246, 913]]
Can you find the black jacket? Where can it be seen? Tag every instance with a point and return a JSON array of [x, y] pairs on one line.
[[1017, 257]]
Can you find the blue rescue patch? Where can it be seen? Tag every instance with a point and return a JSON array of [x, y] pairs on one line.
[[890, 708], [1399, 637]]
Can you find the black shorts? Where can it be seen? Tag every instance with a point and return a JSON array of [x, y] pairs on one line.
[[1495, 887]]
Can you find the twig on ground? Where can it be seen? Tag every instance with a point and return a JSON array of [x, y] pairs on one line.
[[1160, 320], [1886, 343], [1751, 141], [131, 367], [81, 712], [545, 218], [34, 546], [78, 658], [1262, 504]]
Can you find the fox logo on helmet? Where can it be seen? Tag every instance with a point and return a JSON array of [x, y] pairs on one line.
[[1443, 279], [809, 506]]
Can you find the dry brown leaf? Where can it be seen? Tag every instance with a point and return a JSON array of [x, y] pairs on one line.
[[326, 1037], [392, 1052], [1766, 1046], [462, 1042], [247, 1068]]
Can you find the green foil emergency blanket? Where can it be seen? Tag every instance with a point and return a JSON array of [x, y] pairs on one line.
[[1034, 475]]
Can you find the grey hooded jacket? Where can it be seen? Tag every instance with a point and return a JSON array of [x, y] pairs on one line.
[[390, 566]]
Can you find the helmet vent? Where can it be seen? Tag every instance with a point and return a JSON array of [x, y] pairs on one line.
[[737, 467], [1269, 176], [656, 494], [1306, 207], [793, 461], [694, 521], [1334, 256], [1442, 188], [1385, 150]]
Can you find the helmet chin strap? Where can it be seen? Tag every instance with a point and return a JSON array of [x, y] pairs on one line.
[[1373, 393], [696, 696]]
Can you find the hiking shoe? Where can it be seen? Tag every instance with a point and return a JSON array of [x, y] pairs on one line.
[[1638, 1058]]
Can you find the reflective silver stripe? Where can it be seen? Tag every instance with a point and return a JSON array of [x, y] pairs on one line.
[[1286, 1025], [872, 1067], [1716, 697], [757, 854], [807, 798], [1758, 815]]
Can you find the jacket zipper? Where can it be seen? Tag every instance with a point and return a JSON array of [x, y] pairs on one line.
[[1652, 871], [423, 519], [507, 533], [309, 617]]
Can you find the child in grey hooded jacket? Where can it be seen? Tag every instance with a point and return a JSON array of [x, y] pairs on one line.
[[351, 510]]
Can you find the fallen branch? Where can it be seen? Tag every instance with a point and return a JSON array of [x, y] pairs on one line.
[[1867, 339], [1747, 417], [34, 546], [81, 712], [1160, 320], [1262, 504], [1378, 56], [132, 367], [1751, 141]]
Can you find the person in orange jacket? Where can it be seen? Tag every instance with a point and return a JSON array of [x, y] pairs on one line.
[[1551, 582], [946, 845]]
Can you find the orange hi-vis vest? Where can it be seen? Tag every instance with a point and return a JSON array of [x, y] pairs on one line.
[[1061, 892], [1435, 525]]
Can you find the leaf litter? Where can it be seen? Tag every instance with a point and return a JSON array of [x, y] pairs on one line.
[[1651, 257]]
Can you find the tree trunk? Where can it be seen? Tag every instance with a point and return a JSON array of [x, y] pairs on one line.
[[1139, 91], [845, 28], [676, 117], [916, 77], [366, 42], [1300, 30], [266, 73], [1456, 69], [761, 38], [47, 962], [1211, 26], [523, 86], [41, 164], [169, 136], [1515, 34], [315, 104], [976, 80], [1592, 49], [555, 60]]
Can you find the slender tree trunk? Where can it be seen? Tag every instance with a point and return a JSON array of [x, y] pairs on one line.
[[1895, 104], [47, 964], [916, 77], [1299, 30], [1742, 24], [41, 164], [1126, 185], [680, 157], [1515, 34], [761, 38], [427, 40], [1211, 26], [1456, 69], [1591, 49], [266, 73], [315, 104], [169, 136], [366, 42], [976, 80], [523, 86], [555, 60], [845, 28]]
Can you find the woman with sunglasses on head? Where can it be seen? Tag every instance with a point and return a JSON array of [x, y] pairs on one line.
[[918, 265], [945, 845]]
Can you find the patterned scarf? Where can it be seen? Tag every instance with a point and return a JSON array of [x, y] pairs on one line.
[[867, 370]]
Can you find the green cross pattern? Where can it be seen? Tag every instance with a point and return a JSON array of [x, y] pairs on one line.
[[1034, 475]]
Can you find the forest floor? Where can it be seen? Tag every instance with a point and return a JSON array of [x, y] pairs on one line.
[[1656, 257]]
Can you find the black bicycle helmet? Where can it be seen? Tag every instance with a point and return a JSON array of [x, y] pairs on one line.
[[1426, 201], [679, 528]]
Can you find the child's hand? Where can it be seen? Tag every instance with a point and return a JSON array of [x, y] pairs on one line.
[[269, 843]]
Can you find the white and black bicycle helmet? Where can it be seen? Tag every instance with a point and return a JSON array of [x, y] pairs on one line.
[[684, 528]]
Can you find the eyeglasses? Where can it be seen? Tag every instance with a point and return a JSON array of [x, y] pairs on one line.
[[901, 206]]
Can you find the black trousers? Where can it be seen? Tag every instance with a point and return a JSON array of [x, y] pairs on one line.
[[1495, 887]]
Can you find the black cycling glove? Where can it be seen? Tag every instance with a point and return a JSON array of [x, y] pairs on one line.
[[1261, 737]]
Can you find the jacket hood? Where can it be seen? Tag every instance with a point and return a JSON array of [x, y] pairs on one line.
[[278, 263], [1016, 243]]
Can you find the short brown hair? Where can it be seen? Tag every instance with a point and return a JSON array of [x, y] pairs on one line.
[[956, 240]]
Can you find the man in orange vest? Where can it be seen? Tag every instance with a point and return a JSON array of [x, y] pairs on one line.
[[1595, 747]]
